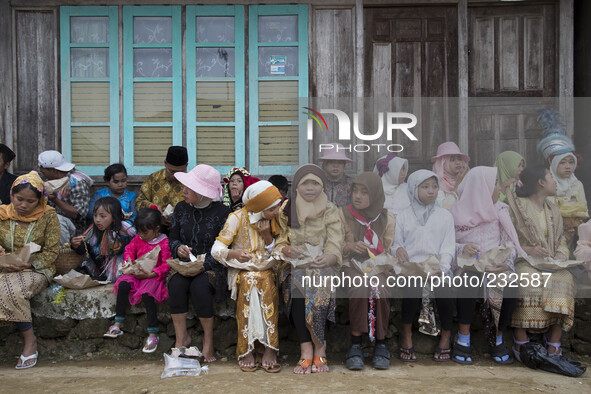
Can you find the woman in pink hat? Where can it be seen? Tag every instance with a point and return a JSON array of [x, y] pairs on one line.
[[196, 222], [450, 165], [338, 187]]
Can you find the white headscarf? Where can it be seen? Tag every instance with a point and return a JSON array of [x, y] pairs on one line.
[[252, 191], [562, 184], [422, 211]]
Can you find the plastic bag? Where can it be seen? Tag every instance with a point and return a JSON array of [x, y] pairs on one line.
[[179, 366], [535, 356]]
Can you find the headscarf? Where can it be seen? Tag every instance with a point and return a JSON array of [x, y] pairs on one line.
[[369, 223], [475, 205], [305, 210], [8, 211], [562, 184], [258, 197], [507, 163], [422, 211], [247, 179], [447, 181], [389, 167]]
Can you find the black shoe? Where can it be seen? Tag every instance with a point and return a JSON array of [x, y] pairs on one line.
[[355, 358]]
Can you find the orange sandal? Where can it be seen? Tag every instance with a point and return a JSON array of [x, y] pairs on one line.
[[319, 361], [305, 363]]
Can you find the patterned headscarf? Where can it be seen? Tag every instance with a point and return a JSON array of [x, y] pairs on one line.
[[8, 211], [247, 179]]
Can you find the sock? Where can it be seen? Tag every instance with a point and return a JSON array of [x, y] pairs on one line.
[[119, 319], [356, 340], [464, 340], [381, 341], [499, 339]]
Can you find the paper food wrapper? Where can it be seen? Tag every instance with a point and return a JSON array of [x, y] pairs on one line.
[[305, 259], [258, 263], [418, 269], [144, 264], [56, 185], [548, 263], [488, 259], [188, 268], [20, 257], [374, 266], [167, 213], [76, 280]]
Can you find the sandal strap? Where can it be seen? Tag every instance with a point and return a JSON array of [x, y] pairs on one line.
[[516, 342], [319, 361], [355, 351], [381, 351], [499, 350], [305, 363], [152, 340], [462, 351]]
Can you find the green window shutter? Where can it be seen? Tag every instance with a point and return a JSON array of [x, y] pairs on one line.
[[89, 40]]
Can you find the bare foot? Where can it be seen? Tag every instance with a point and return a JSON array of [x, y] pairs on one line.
[[406, 343], [319, 355], [300, 370], [269, 357], [247, 361], [208, 353], [183, 341]]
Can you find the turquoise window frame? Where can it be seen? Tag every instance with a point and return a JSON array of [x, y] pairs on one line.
[[66, 12], [237, 11], [301, 10], [129, 12]]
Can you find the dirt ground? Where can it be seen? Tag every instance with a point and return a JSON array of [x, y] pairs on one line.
[[141, 376]]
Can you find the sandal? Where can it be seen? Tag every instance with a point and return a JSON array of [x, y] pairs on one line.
[[149, 342], [275, 368], [24, 359], [515, 351], [410, 353], [500, 351], [355, 358], [319, 361], [461, 351], [113, 332], [381, 357], [257, 364], [305, 363], [442, 352], [557, 346]]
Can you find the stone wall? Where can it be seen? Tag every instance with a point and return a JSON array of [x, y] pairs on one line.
[[74, 328]]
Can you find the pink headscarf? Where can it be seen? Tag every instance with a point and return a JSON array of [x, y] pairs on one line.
[[475, 205], [447, 181]]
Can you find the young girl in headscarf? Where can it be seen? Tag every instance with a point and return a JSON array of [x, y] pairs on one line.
[[393, 171], [369, 232], [308, 218], [450, 165], [249, 236], [548, 308], [235, 183], [570, 195], [422, 230], [482, 224], [509, 165]]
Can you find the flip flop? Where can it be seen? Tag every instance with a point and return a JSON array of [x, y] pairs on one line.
[[410, 352], [113, 332], [24, 359], [305, 363], [319, 361], [257, 364], [150, 341], [275, 368]]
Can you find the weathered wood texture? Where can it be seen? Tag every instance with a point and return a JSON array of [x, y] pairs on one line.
[[512, 55], [5, 74], [412, 52], [35, 64]]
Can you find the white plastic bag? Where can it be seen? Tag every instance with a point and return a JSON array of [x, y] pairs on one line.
[[180, 366]]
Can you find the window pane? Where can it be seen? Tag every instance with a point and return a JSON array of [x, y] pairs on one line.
[[152, 30], [90, 101], [89, 29], [278, 145], [215, 101], [150, 145], [152, 63], [90, 146], [152, 101], [214, 62], [215, 146], [214, 29], [278, 28], [278, 61], [89, 62], [278, 101]]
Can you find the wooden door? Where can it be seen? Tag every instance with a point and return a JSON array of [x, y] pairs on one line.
[[411, 52], [512, 63]]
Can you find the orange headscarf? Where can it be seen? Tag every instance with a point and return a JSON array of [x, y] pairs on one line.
[[8, 211]]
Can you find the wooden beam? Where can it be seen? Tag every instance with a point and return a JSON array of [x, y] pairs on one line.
[[5, 74], [565, 64], [359, 69], [463, 74]]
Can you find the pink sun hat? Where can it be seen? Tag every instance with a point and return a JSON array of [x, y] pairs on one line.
[[336, 152], [202, 179], [449, 148]]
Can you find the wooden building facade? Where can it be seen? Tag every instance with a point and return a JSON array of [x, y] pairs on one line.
[[121, 82]]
